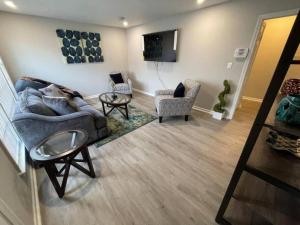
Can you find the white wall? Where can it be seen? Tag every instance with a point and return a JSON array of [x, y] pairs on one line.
[[207, 41], [29, 46]]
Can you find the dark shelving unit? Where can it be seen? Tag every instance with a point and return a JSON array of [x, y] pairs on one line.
[[278, 169]]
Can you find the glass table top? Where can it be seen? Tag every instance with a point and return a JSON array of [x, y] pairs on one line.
[[59, 144], [114, 98]]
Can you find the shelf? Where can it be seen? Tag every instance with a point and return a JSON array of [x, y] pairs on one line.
[[267, 202], [273, 180], [240, 213], [279, 126], [295, 62], [283, 127], [278, 166]]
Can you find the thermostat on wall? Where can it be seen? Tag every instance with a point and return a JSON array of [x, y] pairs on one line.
[[241, 53]]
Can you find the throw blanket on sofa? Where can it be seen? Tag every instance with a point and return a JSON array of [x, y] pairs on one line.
[[35, 83]]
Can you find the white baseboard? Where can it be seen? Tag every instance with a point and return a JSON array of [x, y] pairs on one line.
[[91, 97], [197, 108], [37, 219], [9, 215], [252, 99], [143, 92], [200, 109]]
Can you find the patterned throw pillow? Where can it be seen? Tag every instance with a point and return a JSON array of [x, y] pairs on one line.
[[53, 91], [60, 105], [291, 87]]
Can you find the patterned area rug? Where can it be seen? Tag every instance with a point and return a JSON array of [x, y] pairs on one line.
[[120, 126]]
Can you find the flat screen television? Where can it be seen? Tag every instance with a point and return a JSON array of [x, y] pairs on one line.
[[161, 46]]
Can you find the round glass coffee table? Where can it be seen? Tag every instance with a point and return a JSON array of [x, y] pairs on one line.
[[63, 148], [115, 100]]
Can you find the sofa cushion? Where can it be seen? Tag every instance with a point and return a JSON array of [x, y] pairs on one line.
[[100, 120], [179, 91], [53, 91], [32, 91], [22, 84], [60, 105], [79, 102], [29, 103], [117, 78]]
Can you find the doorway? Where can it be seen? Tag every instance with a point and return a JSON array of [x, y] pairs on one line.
[[270, 42]]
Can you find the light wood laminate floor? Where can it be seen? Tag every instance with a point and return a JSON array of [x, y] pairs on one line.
[[174, 173]]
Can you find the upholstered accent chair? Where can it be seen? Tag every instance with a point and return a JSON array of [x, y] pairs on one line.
[[123, 88], [167, 105]]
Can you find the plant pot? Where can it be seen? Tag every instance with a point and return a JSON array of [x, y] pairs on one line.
[[218, 115]]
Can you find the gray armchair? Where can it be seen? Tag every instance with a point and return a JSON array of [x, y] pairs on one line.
[[124, 88], [167, 105]]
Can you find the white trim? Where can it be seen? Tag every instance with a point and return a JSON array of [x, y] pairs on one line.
[[37, 218], [91, 97], [250, 58], [143, 92], [197, 108], [252, 99], [9, 214], [200, 109]]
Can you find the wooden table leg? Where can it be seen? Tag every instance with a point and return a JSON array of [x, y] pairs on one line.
[[87, 158], [126, 110], [103, 107], [51, 170]]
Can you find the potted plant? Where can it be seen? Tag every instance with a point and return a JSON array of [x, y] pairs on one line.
[[219, 110]]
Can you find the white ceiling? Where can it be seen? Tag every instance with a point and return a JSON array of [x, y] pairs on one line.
[[106, 12]]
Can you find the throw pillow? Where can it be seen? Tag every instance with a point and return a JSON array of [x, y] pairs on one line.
[[35, 92], [29, 103], [60, 105], [117, 78], [179, 91], [53, 91]]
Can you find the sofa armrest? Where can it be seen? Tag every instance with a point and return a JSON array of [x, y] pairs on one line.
[[34, 128], [164, 92]]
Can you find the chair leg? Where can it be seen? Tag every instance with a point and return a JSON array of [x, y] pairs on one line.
[[160, 119], [186, 117]]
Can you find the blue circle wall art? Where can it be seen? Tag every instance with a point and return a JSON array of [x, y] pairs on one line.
[[91, 45], [80, 47]]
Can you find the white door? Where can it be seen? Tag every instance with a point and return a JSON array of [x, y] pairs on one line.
[[8, 134]]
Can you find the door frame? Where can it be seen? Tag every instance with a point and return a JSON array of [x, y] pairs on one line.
[[253, 49]]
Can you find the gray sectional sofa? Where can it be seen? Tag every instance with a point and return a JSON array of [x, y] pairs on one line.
[[33, 128]]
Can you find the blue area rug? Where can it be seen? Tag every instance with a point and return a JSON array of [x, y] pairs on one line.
[[120, 126]]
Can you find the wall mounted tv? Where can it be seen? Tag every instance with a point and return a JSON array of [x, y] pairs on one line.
[[161, 46]]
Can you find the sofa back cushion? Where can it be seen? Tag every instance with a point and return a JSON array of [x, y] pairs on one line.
[[22, 84], [31, 103], [53, 91], [192, 88], [60, 105]]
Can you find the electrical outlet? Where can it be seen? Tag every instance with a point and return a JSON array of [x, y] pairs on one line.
[[229, 65]]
